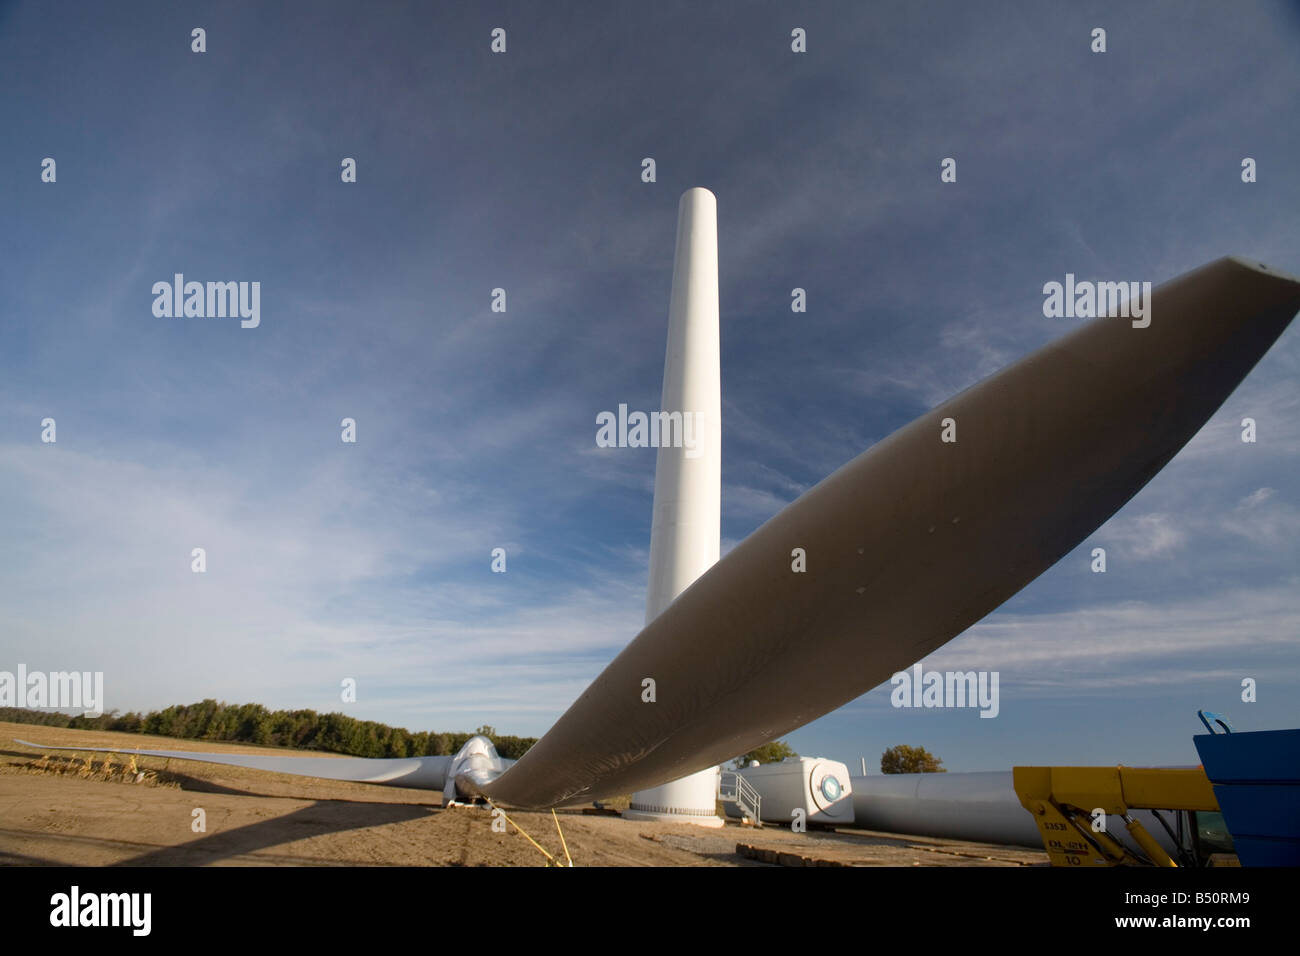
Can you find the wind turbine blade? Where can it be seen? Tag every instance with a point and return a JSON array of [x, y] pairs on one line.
[[912, 542], [420, 773]]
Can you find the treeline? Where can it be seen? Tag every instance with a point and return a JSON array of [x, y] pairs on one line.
[[254, 724]]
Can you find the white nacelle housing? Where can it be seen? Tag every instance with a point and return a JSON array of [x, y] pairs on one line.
[[818, 786]]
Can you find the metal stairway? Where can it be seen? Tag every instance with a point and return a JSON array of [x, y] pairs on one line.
[[733, 788]]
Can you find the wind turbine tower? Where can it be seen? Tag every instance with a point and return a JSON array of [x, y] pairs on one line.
[[686, 528]]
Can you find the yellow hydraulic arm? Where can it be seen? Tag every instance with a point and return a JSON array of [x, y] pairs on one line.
[[1071, 804]]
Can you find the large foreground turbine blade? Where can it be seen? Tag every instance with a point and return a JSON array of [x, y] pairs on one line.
[[912, 542]]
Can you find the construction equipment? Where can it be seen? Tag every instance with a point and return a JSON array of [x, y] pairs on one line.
[[1073, 806], [1256, 779]]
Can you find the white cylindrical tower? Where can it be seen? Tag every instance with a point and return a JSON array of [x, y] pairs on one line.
[[686, 528]]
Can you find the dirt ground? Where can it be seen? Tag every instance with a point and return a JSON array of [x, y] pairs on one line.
[[55, 810]]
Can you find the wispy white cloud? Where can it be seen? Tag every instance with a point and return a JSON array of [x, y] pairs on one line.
[[1144, 535], [477, 428], [1223, 632]]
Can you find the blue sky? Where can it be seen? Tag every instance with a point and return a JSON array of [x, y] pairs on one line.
[[476, 429]]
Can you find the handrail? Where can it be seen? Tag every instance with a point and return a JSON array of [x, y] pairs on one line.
[[733, 788]]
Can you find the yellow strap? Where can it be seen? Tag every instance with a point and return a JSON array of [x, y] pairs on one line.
[[561, 833], [526, 836]]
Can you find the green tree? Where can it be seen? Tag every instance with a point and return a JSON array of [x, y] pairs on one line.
[[301, 729], [905, 759], [774, 751]]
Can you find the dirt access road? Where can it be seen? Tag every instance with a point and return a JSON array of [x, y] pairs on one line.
[[56, 811]]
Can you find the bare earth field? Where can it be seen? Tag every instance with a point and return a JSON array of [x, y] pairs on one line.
[[54, 810]]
